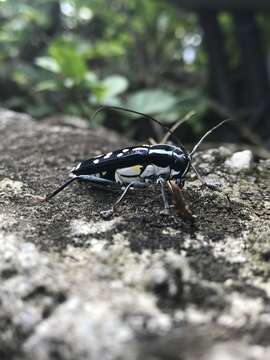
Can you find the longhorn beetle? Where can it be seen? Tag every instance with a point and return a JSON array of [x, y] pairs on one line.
[[138, 166]]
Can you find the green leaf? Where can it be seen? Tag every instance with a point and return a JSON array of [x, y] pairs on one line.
[[72, 64], [107, 49], [152, 101], [47, 85], [113, 101], [114, 85], [48, 63], [91, 77]]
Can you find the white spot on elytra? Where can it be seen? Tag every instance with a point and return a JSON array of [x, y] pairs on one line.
[[160, 152], [108, 155], [96, 161], [120, 154], [139, 149], [125, 150], [77, 167]]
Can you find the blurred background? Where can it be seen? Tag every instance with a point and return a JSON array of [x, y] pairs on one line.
[[205, 59]]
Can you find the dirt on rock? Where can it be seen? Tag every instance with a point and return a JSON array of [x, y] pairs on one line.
[[140, 285]]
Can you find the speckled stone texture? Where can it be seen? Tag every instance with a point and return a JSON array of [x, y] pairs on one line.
[[139, 285]]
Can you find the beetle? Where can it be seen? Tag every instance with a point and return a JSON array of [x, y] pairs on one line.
[[138, 166]]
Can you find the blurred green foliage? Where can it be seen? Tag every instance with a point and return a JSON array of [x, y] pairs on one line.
[[71, 56]]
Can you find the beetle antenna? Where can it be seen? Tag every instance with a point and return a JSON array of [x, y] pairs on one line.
[[177, 124], [142, 114], [60, 188], [208, 133]]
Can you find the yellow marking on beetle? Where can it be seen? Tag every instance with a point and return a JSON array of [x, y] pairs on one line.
[[136, 167], [134, 170]]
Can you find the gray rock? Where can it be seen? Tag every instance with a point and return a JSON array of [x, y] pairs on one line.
[[137, 286], [239, 161]]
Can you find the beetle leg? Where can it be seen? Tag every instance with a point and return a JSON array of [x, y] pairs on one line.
[[109, 212], [95, 180], [166, 210], [60, 188], [91, 178]]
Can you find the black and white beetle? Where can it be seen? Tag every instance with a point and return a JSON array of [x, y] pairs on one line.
[[137, 166]]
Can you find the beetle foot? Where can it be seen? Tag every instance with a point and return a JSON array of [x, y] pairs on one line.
[[165, 212], [106, 214], [36, 198]]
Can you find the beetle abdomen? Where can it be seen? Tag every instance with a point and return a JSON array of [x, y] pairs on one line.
[[112, 161], [138, 163]]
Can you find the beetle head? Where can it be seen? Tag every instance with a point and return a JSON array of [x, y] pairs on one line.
[[180, 166]]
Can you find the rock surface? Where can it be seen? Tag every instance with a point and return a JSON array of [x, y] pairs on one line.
[[240, 161], [137, 286]]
